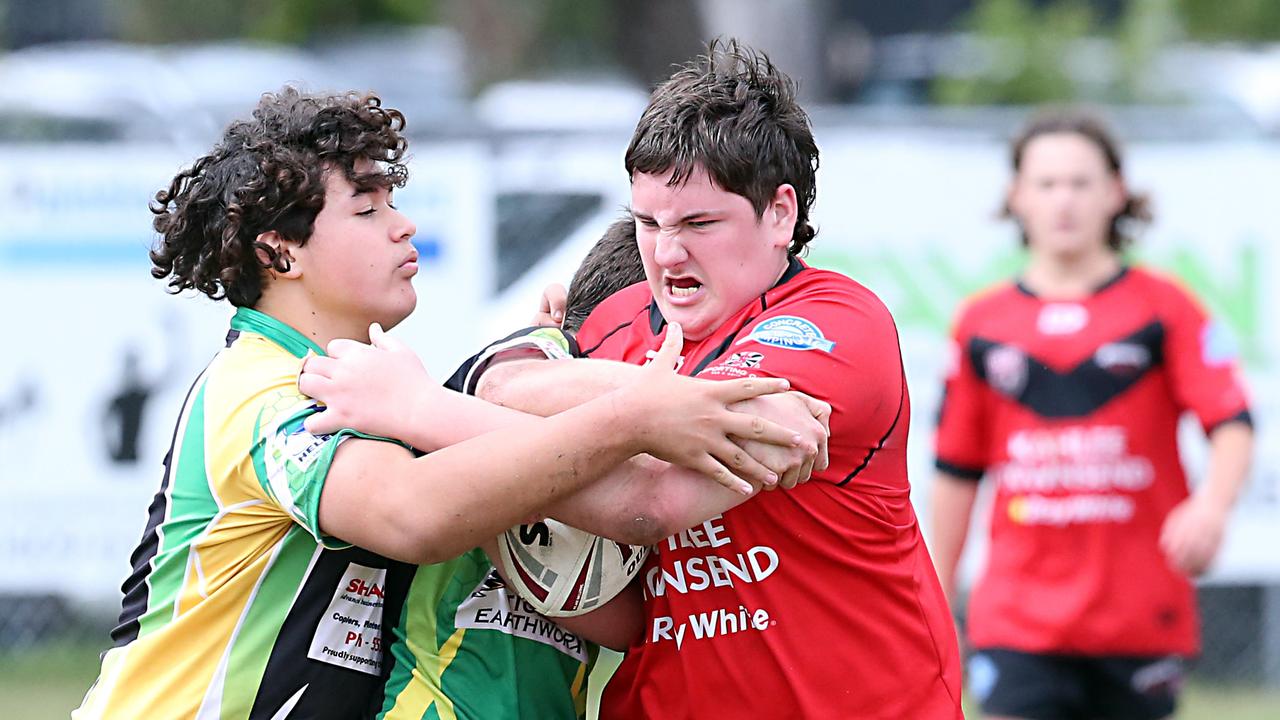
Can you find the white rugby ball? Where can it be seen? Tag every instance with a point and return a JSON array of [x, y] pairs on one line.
[[563, 571]]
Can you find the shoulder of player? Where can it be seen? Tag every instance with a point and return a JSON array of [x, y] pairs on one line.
[[619, 308], [1148, 280], [253, 366], [1166, 293], [630, 296], [818, 287], [835, 304]]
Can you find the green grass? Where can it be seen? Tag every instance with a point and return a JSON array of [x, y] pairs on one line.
[[47, 682], [50, 682]]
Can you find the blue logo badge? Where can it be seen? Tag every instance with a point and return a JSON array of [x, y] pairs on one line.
[[1217, 344], [789, 332]]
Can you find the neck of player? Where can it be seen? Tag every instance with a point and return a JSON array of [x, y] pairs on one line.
[[316, 324], [1070, 275]]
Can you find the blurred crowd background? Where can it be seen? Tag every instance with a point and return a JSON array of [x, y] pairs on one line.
[[519, 112]]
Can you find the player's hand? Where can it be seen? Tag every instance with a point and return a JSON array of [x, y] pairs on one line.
[[551, 307], [687, 421], [380, 389], [811, 419], [1192, 534]]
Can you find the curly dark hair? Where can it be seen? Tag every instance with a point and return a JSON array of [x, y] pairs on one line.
[[734, 114], [1089, 125], [267, 173]]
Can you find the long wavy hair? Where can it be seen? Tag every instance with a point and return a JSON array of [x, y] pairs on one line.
[[1075, 121]]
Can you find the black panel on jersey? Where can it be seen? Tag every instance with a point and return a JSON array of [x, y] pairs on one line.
[[1078, 392], [1244, 416], [135, 589], [458, 380], [331, 691]]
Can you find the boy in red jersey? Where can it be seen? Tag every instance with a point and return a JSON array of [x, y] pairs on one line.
[[1065, 389], [821, 601]]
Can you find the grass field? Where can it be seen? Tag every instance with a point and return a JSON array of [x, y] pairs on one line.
[[50, 683]]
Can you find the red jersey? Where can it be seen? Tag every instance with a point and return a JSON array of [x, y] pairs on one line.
[[1072, 409], [818, 602]]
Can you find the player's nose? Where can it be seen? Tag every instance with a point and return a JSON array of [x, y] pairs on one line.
[[403, 228], [668, 249]]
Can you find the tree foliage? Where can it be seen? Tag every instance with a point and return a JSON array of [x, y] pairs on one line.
[[1218, 20], [1024, 49], [284, 21], [1062, 52]]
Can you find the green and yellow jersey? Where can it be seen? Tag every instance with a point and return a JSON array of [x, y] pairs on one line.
[[238, 605], [467, 647]]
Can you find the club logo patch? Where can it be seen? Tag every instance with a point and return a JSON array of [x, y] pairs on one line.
[[1007, 370], [1062, 319], [790, 333], [1123, 358], [745, 359], [1217, 345]]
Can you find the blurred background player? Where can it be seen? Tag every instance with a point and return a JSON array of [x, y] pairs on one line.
[[267, 576], [1065, 390]]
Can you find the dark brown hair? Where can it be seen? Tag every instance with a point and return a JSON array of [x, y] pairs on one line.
[[267, 173], [1075, 121], [734, 114], [612, 264]]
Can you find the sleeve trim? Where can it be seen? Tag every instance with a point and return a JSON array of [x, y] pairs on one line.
[[1244, 416], [964, 472], [557, 347]]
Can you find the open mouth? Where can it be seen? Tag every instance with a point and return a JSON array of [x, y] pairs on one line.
[[683, 287]]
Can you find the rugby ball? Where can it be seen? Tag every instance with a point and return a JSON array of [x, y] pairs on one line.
[[563, 571]]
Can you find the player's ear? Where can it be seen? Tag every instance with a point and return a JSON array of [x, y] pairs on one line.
[[781, 214], [1119, 194], [1010, 208], [276, 255]]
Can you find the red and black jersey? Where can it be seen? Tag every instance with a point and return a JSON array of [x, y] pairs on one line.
[[816, 602], [1072, 409]]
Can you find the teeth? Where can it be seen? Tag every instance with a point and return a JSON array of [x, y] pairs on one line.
[[684, 292]]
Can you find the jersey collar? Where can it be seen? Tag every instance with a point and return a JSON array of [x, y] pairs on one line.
[[1120, 274], [250, 320], [794, 267]]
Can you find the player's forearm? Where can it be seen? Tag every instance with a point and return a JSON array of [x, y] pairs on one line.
[[951, 507], [643, 501], [438, 506], [646, 500], [1230, 454], [455, 418], [546, 387]]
